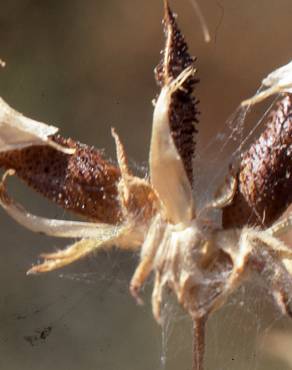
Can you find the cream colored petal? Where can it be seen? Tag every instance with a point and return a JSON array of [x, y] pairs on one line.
[[57, 228], [278, 81], [18, 131], [104, 238], [167, 172], [71, 254]]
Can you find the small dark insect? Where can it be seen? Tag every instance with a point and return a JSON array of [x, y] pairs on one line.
[[200, 262], [40, 335]]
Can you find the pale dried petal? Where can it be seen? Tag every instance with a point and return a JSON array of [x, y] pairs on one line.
[[167, 171], [18, 131], [278, 81]]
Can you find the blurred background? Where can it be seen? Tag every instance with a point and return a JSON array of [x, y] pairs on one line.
[[86, 66]]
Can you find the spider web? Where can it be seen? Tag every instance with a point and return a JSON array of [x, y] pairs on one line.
[[101, 282], [87, 301], [234, 333], [213, 160], [98, 304]]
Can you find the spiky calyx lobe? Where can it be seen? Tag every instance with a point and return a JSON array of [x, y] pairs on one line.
[[183, 112], [265, 174], [83, 182]]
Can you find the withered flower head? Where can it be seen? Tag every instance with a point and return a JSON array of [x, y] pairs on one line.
[[200, 262]]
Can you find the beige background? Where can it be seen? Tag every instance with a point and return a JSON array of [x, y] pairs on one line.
[[86, 66]]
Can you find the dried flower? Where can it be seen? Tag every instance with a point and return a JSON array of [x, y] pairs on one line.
[[201, 263]]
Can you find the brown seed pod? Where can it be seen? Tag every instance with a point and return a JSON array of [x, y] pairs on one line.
[[83, 182], [183, 112], [265, 174]]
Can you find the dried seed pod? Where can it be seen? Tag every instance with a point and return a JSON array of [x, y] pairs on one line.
[[265, 174], [82, 182], [183, 112]]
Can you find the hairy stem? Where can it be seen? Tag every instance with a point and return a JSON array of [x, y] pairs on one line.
[[199, 325]]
